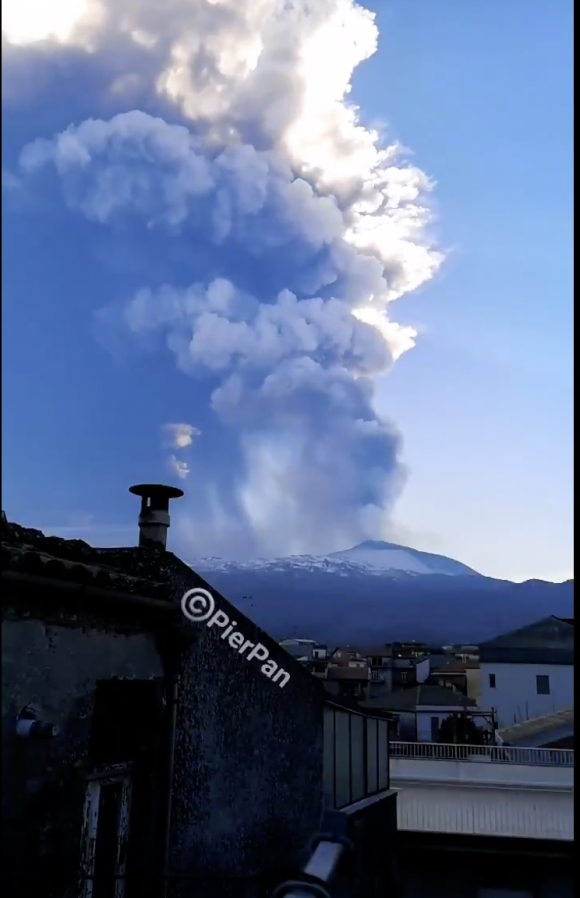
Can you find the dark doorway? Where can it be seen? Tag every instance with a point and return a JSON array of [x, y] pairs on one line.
[[119, 845]]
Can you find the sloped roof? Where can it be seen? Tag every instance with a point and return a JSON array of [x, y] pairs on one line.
[[537, 726], [347, 673], [453, 666], [440, 661], [382, 651], [426, 695], [81, 572], [29, 552], [548, 641]]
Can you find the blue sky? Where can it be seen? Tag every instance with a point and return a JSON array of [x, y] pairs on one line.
[[482, 94]]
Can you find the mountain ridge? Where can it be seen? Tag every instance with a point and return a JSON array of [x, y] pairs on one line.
[[382, 587], [378, 555]]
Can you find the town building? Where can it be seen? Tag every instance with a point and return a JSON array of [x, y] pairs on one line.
[[348, 682], [460, 673], [397, 666], [529, 673], [552, 731], [422, 710], [142, 753], [301, 649], [347, 657], [305, 650]]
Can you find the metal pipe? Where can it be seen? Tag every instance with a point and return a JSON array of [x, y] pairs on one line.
[[324, 861], [322, 869], [154, 516]]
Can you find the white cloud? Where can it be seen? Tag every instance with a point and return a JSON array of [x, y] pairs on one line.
[[263, 87], [204, 332], [64, 21], [287, 70], [167, 178], [178, 467], [179, 436]]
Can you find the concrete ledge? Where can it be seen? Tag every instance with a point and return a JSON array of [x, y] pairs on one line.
[[467, 773], [477, 811]]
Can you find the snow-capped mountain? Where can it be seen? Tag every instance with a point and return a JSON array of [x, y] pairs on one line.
[[387, 558], [371, 557], [379, 591]]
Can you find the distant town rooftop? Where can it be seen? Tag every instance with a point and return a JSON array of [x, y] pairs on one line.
[[548, 641], [426, 696], [537, 726], [348, 673]]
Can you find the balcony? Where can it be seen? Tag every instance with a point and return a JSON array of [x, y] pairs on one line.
[[355, 851], [495, 754], [484, 790], [356, 756]]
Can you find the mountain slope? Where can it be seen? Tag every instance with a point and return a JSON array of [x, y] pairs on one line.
[[371, 557], [381, 592], [385, 557]]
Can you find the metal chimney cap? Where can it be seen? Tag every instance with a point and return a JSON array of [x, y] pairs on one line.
[[156, 490]]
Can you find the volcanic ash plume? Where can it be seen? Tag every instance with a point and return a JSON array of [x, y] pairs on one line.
[[246, 149]]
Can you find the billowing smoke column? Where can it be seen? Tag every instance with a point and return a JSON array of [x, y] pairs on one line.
[[308, 227]]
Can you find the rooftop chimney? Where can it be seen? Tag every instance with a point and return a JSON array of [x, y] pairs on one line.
[[154, 515]]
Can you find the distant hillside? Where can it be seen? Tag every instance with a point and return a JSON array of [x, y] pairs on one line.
[[380, 590]]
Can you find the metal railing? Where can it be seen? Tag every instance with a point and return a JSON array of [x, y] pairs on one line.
[[497, 754], [356, 756]]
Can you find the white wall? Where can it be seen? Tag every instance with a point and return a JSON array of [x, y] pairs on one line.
[[424, 715], [516, 812], [515, 697], [423, 669], [483, 773], [424, 733], [473, 677]]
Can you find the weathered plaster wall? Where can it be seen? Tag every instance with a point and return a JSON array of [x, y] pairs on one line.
[[248, 786], [248, 764], [43, 783], [248, 780]]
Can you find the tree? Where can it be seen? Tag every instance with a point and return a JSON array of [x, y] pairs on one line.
[[459, 729]]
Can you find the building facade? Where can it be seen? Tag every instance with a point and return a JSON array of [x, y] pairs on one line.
[[138, 746], [528, 673], [423, 710], [146, 756]]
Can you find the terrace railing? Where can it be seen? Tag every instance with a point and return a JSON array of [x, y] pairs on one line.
[[497, 754]]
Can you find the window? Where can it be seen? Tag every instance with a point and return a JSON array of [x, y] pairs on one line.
[[542, 684], [492, 681], [105, 833]]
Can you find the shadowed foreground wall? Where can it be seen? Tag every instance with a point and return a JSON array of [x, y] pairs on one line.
[[248, 754], [248, 785]]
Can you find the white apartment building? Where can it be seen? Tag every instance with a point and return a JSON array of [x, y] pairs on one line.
[[529, 673]]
